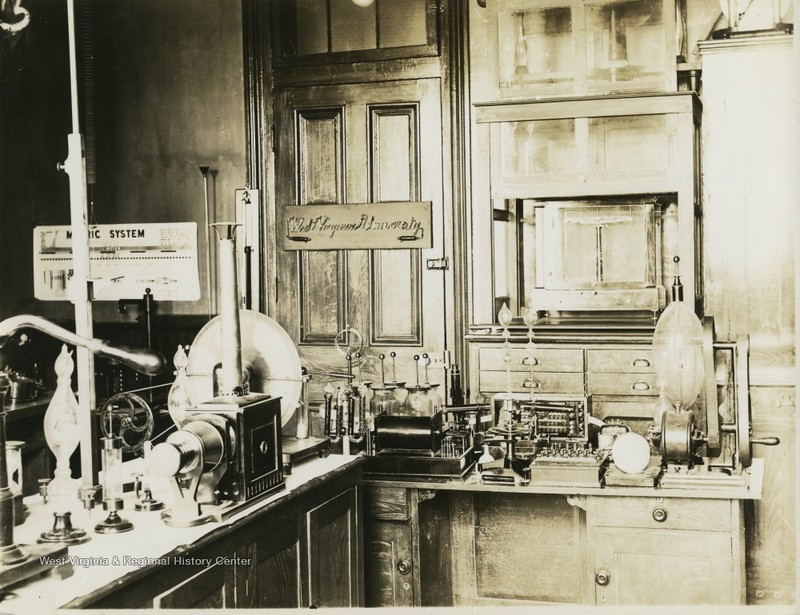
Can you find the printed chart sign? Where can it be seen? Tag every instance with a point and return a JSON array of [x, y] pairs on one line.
[[124, 261], [361, 226]]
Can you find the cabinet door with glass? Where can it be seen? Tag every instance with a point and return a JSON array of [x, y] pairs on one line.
[[547, 48]]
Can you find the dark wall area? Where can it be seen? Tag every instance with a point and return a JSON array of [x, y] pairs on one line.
[[34, 123], [168, 98]]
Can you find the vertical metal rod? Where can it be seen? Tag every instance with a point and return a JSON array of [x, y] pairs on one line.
[[211, 312], [75, 167], [147, 300]]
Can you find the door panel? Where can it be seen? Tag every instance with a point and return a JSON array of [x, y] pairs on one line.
[[320, 161], [664, 567], [361, 143], [395, 302], [332, 546], [388, 550], [207, 589]]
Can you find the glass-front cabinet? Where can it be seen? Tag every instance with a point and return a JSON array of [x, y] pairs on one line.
[[576, 47], [587, 201]]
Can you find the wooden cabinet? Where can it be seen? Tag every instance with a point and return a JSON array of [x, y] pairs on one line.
[[302, 551], [666, 551], [526, 546], [587, 185], [587, 202]]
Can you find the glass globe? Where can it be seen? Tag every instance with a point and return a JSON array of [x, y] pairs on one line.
[[678, 354]]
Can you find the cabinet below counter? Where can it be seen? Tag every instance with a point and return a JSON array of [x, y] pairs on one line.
[[465, 543], [301, 547]]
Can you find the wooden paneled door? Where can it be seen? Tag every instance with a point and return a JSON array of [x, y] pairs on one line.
[[362, 143]]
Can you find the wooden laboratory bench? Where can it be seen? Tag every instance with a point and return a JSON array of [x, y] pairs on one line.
[[465, 543], [300, 547]]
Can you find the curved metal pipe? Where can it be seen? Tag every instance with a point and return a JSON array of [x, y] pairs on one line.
[[142, 360]]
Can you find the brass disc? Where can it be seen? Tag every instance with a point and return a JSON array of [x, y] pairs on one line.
[[268, 354]]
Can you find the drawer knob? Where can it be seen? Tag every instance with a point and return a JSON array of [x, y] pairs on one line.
[[403, 566], [530, 361], [640, 386], [602, 577], [530, 384], [660, 515], [640, 363]]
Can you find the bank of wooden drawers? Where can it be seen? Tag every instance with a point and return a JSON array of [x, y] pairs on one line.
[[555, 370], [616, 360], [620, 371], [621, 384], [663, 513], [543, 382], [545, 359]]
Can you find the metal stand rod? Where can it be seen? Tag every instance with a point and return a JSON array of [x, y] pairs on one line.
[[79, 295]]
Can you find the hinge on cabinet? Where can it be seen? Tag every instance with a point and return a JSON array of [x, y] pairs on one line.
[[272, 137], [437, 263]]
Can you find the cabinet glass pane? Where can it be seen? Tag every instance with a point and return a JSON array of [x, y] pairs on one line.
[[625, 46], [538, 147], [629, 144], [536, 48], [598, 247]]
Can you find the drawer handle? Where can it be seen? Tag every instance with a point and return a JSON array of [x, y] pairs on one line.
[[403, 566], [531, 384], [640, 386], [660, 515], [640, 363], [602, 577], [530, 361]]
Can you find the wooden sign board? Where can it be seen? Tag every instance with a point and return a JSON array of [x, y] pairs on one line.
[[361, 226]]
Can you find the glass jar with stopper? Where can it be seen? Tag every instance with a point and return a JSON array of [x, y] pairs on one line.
[[399, 386], [384, 400], [365, 395], [434, 395], [418, 402]]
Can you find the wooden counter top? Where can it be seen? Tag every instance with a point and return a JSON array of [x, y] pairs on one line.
[[753, 476], [100, 566]]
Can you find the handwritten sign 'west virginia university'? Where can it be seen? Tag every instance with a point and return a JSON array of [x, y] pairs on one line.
[[361, 226]]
